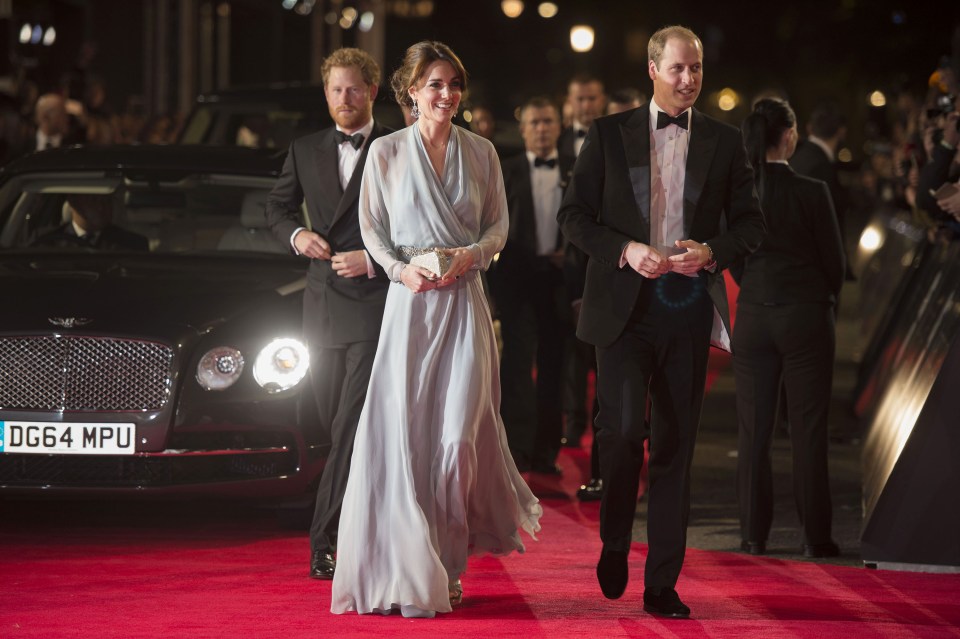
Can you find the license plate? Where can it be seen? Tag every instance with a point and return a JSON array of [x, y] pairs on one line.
[[67, 438]]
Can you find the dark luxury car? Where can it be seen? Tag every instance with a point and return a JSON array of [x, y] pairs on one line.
[[270, 116], [151, 334]]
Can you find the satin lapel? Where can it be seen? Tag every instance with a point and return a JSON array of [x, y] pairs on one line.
[[703, 144], [527, 227], [635, 133], [327, 171]]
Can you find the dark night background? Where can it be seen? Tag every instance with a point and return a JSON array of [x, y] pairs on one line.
[[842, 49]]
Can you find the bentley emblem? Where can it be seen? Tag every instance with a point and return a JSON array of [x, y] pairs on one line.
[[69, 322]]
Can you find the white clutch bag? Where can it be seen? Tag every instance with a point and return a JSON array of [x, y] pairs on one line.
[[434, 260]]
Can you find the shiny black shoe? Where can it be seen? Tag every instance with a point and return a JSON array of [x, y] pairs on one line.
[[322, 565], [665, 604], [753, 547], [612, 573], [591, 491], [820, 551]]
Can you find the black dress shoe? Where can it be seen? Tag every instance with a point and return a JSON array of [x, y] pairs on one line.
[[322, 565], [612, 573], [819, 551], [666, 603], [753, 547], [591, 491]]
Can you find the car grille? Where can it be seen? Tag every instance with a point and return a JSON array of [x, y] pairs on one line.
[[71, 373]]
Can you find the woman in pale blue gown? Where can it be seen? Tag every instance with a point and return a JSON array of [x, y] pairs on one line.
[[431, 480]]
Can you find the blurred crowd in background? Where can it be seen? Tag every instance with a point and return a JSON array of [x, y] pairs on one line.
[[903, 158]]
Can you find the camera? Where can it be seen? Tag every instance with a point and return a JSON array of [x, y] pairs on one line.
[[942, 105]]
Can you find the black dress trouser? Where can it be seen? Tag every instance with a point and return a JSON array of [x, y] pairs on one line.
[[662, 353], [795, 343], [340, 378]]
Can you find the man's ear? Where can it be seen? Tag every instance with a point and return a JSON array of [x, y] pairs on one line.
[[652, 69]]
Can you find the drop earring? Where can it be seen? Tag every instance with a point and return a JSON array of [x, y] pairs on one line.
[[415, 111]]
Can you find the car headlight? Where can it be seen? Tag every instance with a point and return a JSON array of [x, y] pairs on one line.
[[281, 365], [219, 368]]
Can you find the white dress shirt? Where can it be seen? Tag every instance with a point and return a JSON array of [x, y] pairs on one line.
[[668, 170], [45, 141], [547, 193], [349, 155], [577, 138]]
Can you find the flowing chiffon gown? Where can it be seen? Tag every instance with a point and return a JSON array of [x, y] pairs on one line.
[[431, 477]]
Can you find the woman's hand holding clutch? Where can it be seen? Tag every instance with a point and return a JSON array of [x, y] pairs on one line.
[[418, 279], [461, 260]]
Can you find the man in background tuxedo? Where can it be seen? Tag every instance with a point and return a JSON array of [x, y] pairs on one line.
[[346, 290], [661, 200], [528, 288], [586, 100], [816, 157]]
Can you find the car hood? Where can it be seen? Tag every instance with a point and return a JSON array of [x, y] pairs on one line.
[[162, 296]]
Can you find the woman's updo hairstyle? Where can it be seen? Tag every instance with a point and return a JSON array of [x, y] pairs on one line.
[[763, 129], [415, 62]]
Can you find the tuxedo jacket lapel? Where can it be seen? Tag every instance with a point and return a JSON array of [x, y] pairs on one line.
[[351, 195], [635, 133], [703, 144], [327, 162]]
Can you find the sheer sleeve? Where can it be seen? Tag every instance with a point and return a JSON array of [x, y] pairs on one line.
[[374, 216], [494, 219]]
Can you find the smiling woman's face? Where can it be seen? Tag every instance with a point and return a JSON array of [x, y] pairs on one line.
[[438, 92]]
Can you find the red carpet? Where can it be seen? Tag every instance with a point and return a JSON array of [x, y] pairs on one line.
[[132, 569], [200, 570]]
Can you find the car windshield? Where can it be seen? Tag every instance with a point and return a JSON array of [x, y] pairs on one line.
[[196, 213]]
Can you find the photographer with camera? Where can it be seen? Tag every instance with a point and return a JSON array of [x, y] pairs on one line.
[[938, 193]]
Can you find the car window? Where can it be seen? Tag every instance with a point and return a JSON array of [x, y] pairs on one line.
[[193, 214]]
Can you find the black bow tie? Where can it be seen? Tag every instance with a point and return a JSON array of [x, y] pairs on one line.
[[540, 162], [581, 133], [356, 139], [665, 120]]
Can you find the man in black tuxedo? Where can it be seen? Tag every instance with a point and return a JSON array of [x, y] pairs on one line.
[[91, 226], [527, 286], [587, 101], [346, 290], [816, 157], [661, 200]]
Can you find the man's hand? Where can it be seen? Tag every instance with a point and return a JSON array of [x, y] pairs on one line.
[[312, 245], [690, 261], [951, 205], [350, 264], [646, 260]]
